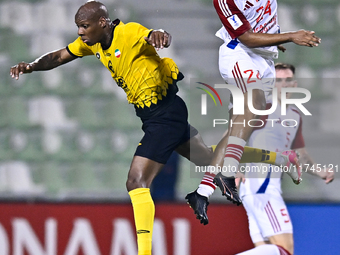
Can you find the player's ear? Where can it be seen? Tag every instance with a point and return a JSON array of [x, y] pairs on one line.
[[102, 22], [295, 83]]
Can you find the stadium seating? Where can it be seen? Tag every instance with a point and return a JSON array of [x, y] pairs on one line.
[[83, 109], [54, 176], [5, 151], [16, 112], [72, 126]]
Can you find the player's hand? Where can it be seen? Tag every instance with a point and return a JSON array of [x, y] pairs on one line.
[[327, 175], [305, 38], [240, 177], [281, 48], [20, 68], [159, 39]]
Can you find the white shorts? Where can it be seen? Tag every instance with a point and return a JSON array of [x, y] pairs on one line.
[[246, 70], [267, 216]]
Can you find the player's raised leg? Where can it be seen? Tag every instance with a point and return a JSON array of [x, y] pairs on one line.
[[230, 149]]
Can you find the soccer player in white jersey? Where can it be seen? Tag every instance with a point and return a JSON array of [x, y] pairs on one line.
[[251, 38], [270, 226]]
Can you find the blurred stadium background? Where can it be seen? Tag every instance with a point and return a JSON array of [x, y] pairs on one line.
[[69, 135]]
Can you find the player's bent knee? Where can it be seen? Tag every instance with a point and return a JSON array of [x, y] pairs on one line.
[[259, 103], [258, 99], [283, 240], [134, 182]]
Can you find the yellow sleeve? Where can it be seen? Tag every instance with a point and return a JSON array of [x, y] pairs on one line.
[[79, 49], [135, 32]]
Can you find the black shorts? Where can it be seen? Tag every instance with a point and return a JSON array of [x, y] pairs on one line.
[[164, 132]]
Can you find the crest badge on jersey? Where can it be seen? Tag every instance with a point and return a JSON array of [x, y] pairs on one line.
[[235, 21], [117, 53], [98, 55]]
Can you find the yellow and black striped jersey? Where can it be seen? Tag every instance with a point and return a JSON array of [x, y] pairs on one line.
[[134, 64]]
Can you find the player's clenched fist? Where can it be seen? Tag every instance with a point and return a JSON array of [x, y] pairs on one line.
[[20, 68], [159, 39]]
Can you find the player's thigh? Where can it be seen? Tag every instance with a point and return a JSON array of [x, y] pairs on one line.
[[272, 215], [285, 240], [195, 150], [267, 73], [254, 229], [164, 132], [246, 70]]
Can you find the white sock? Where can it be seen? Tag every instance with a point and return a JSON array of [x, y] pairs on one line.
[[205, 190], [207, 186], [279, 160], [233, 155], [266, 249]]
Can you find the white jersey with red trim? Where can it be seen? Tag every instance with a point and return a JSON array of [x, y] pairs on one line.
[[239, 16], [279, 133]]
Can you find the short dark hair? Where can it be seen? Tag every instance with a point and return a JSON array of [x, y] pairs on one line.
[[284, 66]]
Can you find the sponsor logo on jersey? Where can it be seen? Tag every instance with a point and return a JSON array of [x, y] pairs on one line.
[[117, 53], [110, 66], [98, 55], [235, 21], [121, 83], [108, 54]]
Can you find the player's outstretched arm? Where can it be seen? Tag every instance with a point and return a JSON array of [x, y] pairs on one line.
[[309, 166], [46, 62], [159, 39], [301, 37]]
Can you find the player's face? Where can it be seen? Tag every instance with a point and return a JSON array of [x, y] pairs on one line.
[[90, 31], [284, 79]]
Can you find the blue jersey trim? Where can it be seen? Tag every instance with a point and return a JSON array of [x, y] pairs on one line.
[[232, 44], [264, 185]]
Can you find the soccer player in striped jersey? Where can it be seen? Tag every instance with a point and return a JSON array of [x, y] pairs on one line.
[[251, 38]]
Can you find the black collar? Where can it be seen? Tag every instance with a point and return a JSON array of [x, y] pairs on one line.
[[114, 23]]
